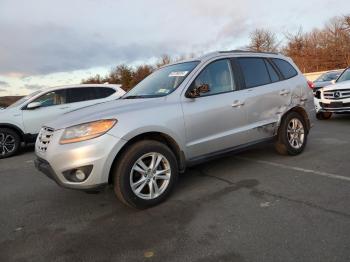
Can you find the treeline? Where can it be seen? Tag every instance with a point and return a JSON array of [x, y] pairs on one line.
[[129, 76], [5, 101], [319, 50]]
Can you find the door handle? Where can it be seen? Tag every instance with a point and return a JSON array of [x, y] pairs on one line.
[[65, 107], [284, 92], [237, 103]]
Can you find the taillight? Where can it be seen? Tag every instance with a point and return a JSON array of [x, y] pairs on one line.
[[311, 84]]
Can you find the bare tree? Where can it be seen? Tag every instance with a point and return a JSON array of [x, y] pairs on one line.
[[140, 73], [262, 40], [164, 60]]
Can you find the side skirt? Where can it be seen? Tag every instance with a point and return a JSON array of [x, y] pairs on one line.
[[225, 152]]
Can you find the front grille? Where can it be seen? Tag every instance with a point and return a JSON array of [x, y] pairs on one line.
[[335, 105], [44, 138], [337, 94]]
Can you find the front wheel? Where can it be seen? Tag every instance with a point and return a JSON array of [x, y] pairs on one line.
[[9, 142], [145, 174], [292, 135]]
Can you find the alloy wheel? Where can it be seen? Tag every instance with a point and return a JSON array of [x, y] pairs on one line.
[[295, 133], [7, 144], [150, 175]]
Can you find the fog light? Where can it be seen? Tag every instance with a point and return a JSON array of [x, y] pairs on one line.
[[80, 175]]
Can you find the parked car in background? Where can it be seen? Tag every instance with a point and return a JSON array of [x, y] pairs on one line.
[[181, 114], [333, 98], [21, 121], [326, 79]]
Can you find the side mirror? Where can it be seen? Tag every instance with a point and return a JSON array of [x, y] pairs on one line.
[[33, 105], [333, 82], [196, 91]]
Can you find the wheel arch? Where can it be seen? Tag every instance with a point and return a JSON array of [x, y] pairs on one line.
[[14, 128], [300, 110], [157, 136]]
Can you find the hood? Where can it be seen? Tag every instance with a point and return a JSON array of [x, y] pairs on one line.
[[338, 86], [322, 84], [105, 110]]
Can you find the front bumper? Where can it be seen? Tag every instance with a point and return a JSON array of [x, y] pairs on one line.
[[44, 167], [334, 106], [57, 159]]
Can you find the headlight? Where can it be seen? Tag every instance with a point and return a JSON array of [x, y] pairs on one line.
[[86, 131]]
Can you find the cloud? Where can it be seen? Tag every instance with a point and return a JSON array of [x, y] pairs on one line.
[[34, 86], [64, 49], [3, 90], [4, 83], [45, 37]]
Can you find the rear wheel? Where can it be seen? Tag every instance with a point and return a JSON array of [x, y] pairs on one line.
[[9, 142], [323, 115], [145, 174], [292, 135]]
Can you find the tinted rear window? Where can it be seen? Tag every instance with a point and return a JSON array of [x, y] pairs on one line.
[[286, 68], [254, 71], [103, 92], [81, 94]]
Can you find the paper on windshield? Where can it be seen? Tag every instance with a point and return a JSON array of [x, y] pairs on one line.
[[178, 74]]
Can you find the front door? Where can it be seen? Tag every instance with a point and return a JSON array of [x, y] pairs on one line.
[[215, 121], [53, 104]]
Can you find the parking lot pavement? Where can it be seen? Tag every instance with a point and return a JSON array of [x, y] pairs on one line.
[[251, 206]]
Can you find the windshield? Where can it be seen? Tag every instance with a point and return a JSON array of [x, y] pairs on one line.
[[328, 76], [345, 76], [162, 82], [24, 99]]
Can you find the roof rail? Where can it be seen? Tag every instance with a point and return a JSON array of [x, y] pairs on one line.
[[246, 51]]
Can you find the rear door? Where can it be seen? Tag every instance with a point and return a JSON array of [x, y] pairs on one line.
[[266, 95], [215, 121]]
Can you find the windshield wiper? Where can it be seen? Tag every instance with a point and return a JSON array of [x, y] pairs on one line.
[[133, 97]]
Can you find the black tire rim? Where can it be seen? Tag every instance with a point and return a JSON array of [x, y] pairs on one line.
[[7, 144]]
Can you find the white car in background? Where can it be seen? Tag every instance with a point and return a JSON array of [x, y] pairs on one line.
[[22, 121], [333, 98]]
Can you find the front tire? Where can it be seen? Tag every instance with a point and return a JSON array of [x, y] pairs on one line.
[[323, 115], [9, 142], [292, 135], [145, 174]]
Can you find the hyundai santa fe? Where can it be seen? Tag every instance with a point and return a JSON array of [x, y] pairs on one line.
[[180, 115]]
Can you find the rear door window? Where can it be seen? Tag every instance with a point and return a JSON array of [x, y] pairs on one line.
[[272, 72], [285, 68], [254, 71], [81, 94]]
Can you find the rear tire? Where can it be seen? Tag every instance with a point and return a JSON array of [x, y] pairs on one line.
[[9, 142], [323, 115], [292, 135], [145, 174]]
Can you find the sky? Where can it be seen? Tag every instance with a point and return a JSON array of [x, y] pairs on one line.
[[47, 43]]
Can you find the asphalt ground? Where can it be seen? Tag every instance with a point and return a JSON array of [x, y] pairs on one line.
[[251, 206]]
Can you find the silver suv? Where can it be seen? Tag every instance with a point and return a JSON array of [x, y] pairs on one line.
[[180, 115]]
